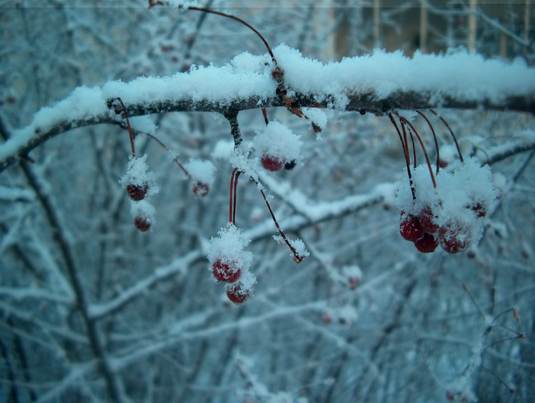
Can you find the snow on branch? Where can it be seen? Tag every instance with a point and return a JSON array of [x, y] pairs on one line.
[[375, 83]]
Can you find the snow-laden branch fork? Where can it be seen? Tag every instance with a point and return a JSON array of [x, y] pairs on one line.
[[377, 83]]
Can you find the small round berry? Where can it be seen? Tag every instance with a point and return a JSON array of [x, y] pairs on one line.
[[237, 294], [137, 192], [427, 220], [326, 318], [290, 165], [353, 282], [277, 73], [442, 163], [142, 223], [226, 272], [426, 244], [410, 228], [272, 163], [200, 189], [479, 209], [454, 237]]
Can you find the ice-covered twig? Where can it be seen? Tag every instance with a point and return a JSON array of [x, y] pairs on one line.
[[354, 84]]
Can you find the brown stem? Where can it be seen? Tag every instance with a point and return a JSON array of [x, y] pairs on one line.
[[233, 17], [166, 148], [265, 115], [451, 133], [128, 126], [434, 138], [297, 257], [422, 146], [236, 176], [231, 195], [405, 154]]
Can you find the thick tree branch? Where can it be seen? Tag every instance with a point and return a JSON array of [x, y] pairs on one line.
[[377, 83]]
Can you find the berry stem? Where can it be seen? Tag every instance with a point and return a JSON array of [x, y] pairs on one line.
[[265, 115], [131, 135], [233, 17], [434, 138], [166, 148], [422, 145], [297, 258], [231, 197], [236, 176], [405, 154], [414, 164], [451, 133]]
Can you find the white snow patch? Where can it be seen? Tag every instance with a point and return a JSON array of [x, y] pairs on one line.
[[277, 140], [202, 171], [229, 247]]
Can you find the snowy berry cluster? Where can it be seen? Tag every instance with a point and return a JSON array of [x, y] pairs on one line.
[[453, 215], [140, 186], [230, 263]]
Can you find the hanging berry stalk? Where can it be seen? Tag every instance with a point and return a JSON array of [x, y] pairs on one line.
[[422, 146], [405, 154], [434, 138], [296, 256], [119, 108], [451, 133]]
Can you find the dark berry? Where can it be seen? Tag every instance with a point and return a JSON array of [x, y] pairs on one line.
[[426, 244], [142, 223], [137, 192], [237, 294], [454, 237], [353, 282], [316, 127], [479, 209], [226, 272], [290, 165], [272, 163], [427, 220], [200, 189], [277, 73], [410, 228], [442, 163]]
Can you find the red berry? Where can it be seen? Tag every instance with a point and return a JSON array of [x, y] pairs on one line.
[[426, 244], [326, 318], [226, 272], [410, 228], [353, 282], [442, 163], [137, 192], [272, 163], [454, 237], [479, 209], [200, 189], [142, 223], [427, 220], [237, 294]]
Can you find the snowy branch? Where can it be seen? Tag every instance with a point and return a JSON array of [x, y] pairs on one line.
[[377, 83]]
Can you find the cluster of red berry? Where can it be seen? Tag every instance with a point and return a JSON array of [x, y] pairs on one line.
[[423, 230], [138, 192], [230, 272]]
